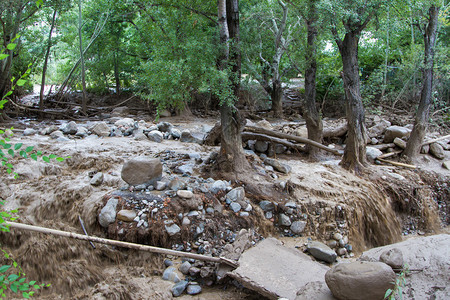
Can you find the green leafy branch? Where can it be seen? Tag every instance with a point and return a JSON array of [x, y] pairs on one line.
[[400, 282], [16, 281]]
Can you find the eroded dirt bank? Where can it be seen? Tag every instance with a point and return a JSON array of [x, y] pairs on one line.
[[378, 209]]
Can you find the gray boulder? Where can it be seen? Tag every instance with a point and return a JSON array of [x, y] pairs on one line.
[[395, 131], [142, 170], [280, 167], [155, 136], [69, 128], [266, 205], [372, 153], [108, 213], [164, 126], [125, 123], [393, 258], [261, 146], [29, 131], [179, 288], [56, 134], [321, 252], [378, 129], [176, 133], [400, 143], [82, 132], [284, 220], [187, 137], [437, 150], [218, 185], [101, 129], [360, 280]]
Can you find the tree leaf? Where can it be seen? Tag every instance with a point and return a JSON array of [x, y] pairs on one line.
[[13, 287], [21, 82], [17, 146], [45, 158], [11, 152], [29, 149], [13, 277], [11, 46], [4, 268], [3, 56]]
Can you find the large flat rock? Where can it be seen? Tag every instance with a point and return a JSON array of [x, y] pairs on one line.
[[275, 271], [428, 261]]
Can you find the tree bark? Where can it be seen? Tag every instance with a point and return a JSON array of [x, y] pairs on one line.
[[231, 157], [83, 71], [277, 97], [312, 117], [421, 121], [44, 67]]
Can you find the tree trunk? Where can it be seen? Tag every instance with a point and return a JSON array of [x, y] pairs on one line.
[[83, 71], [116, 73], [312, 117], [355, 150], [44, 67], [277, 98], [231, 157], [420, 125]]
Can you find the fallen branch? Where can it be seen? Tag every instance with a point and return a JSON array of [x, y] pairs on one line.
[[261, 137], [290, 137], [122, 244], [386, 155], [436, 140], [398, 164]]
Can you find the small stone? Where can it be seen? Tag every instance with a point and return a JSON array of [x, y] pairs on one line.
[[168, 262], [185, 194], [126, 215], [446, 164], [172, 229], [97, 179], [108, 213], [184, 267], [400, 143], [236, 207], [82, 132], [194, 289], [244, 214], [332, 244], [261, 146], [425, 149], [268, 215], [161, 185], [218, 185], [393, 258], [298, 227], [186, 221], [266, 205], [280, 167], [177, 184], [56, 134], [372, 153], [175, 133], [284, 220], [341, 251], [171, 274], [237, 194], [194, 271], [179, 288], [337, 236], [341, 242], [321, 251]]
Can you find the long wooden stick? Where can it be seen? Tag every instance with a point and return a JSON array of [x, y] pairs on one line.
[[386, 155], [397, 163], [436, 140], [122, 244]]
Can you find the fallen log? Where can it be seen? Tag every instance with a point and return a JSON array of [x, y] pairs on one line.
[[262, 137], [122, 244], [398, 164], [299, 139]]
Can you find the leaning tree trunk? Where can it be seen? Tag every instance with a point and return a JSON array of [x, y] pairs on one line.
[[231, 156], [355, 149], [420, 125], [44, 67], [312, 117]]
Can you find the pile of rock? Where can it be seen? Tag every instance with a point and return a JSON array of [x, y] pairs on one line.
[[118, 127]]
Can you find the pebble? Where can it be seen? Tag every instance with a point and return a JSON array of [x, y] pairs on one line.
[[194, 289], [266, 205], [185, 194], [186, 221], [179, 288], [172, 229], [298, 227], [244, 214], [97, 179], [337, 236], [236, 207], [184, 267], [161, 185], [126, 215], [284, 220]]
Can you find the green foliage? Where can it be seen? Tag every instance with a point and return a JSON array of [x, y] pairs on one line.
[[400, 282]]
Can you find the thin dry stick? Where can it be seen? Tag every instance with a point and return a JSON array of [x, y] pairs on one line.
[[436, 140], [122, 244], [397, 163], [85, 232]]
